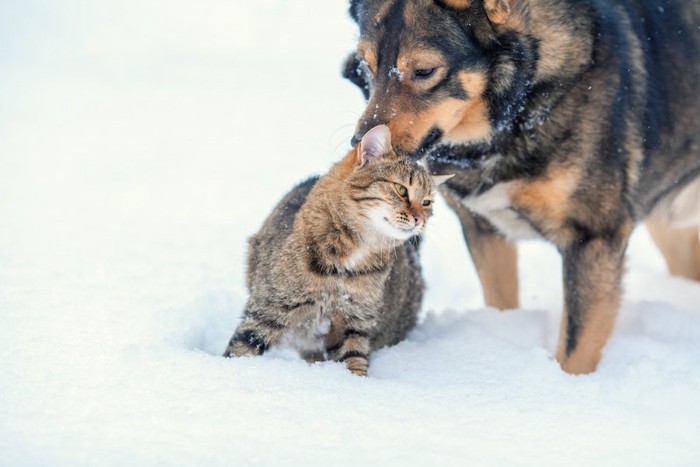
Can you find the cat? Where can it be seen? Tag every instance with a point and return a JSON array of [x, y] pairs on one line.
[[334, 270]]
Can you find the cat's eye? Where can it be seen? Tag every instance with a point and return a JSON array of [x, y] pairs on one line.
[[427, 202], [401, 190]]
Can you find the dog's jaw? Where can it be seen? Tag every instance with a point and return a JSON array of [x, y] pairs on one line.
[[429, 142]]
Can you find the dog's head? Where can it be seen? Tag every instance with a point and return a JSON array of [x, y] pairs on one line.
[[430, 70]]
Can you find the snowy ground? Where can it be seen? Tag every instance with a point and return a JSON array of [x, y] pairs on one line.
[[141, 142]]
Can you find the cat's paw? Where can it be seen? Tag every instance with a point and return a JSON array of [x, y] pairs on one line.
[[358, 371], [358, 365], [246, 342], [241, 349]]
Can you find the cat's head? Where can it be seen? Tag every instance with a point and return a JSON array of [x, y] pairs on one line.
[[394, 194]]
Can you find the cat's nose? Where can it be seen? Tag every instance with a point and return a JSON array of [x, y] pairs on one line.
[[418, 218]]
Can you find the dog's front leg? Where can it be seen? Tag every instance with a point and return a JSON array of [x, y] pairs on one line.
[[593, 269], [495, 258]]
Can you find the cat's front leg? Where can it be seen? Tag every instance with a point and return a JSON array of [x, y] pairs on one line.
[[253, 337], [349, 343], [355, 355]]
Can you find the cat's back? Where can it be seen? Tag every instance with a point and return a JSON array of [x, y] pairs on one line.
[[281, 219], [278, 225]]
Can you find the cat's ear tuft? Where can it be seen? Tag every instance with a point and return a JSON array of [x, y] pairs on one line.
[[440, 179], [374, 144]]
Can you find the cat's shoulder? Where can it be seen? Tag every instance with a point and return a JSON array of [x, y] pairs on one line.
[[283, 215], [295, 198]]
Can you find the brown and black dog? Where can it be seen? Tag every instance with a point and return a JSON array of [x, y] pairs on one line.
[[568, 120]]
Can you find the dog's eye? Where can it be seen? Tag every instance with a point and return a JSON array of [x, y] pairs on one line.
[[427, 202], [401, 190], [424, 73]]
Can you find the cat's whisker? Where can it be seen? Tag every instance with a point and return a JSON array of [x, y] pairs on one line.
[[344, 134]]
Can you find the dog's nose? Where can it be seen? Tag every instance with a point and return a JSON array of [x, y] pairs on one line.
[[355, 139]]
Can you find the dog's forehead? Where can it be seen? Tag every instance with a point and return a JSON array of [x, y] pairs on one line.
[[392, 27], [377, 16]]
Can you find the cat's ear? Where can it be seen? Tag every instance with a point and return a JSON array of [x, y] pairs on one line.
[[374, 144], [440, 179]]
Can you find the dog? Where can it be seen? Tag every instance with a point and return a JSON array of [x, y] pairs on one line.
[[566, 120]]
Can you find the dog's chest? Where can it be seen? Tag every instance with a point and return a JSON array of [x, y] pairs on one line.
[[496, 205]]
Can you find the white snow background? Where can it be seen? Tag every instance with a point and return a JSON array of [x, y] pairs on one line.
[[141, 143]]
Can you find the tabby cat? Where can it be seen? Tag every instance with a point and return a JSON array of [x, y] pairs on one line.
[[333, 271]]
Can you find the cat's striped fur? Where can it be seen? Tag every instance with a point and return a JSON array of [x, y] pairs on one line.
[[334, 270]]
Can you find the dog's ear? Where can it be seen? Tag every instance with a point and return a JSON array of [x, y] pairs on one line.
[[354, 4], [375, 144], [497, 11], [355, 73]]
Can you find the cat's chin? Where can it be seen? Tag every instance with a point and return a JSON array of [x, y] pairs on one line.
[[402, 234], [394, 232], [391, 231]]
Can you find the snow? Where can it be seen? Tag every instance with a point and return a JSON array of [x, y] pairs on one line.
[[141, 143]]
